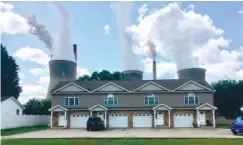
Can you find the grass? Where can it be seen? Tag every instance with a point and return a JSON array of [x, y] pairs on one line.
[[224, 126], [122, 142], [12, 131]]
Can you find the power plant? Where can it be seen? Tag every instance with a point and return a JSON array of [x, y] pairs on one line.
[[62, 70], [192, 74], [133, 75]]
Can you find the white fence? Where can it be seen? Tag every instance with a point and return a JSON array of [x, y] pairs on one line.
[[23, 120]]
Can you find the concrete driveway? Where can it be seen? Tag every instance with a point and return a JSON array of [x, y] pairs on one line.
[[129, 133]]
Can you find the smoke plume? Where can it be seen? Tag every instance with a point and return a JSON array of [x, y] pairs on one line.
[[40, 31], [150, 49], [62, 46], [122, 11]]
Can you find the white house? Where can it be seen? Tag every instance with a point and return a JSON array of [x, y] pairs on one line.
[[11, 107]]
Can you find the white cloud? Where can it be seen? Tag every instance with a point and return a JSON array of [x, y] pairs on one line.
[[30, 91], [188, 39], [162, 67], [32, 54], [44, 80], [106, 29], [37, 71], [240, 11], [11, 22], [82, 71], [21, 78]]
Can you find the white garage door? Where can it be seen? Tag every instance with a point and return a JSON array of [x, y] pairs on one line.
[[118, 120], [78, 120], [183, 120], [142, 120]]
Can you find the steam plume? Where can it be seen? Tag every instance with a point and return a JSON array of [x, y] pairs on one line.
[[63, 48], [40, 31], [122, 11]]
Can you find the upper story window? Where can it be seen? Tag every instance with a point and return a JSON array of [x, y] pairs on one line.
[[191, 98], [17, 111], [71, 101], [151, 100], [111, 100]]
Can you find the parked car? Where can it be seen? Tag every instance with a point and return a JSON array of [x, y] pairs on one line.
[[237, 126], [95, 123]]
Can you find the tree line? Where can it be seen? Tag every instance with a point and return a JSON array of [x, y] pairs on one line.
[[228, 97]]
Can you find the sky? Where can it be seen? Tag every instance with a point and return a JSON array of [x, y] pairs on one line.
[[185, 34]]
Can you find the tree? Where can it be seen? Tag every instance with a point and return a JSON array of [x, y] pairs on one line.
[[228, 97], [37, 107], [9, 75], [104, 75]]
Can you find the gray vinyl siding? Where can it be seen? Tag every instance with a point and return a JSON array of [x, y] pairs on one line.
[[134, 100]]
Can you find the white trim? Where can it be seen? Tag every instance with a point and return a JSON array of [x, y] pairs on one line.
[[151, 96], [214, 123], [151, 82], [71, 83], [65, 109], [98, 105], [215, 108], [73, 101], [16, 101], [169, 117], [191, 82], [109, 84], [162, 105]]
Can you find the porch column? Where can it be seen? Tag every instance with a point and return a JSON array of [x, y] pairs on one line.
[[51, 119], [65, 118], [90, 113], [105, 119], [214, 124], [169, 117], [198, 119], [154, 118]]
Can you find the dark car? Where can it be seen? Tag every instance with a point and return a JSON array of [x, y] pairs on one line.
[[237, 126], [95, 123]]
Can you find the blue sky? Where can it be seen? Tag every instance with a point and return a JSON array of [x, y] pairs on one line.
[[98, 50]]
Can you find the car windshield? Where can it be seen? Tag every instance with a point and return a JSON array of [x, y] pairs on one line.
[[94, 119], [238, 119]]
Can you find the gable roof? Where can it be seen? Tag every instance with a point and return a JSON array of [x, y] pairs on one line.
[[131, 85], [193, 83], [3, 99]]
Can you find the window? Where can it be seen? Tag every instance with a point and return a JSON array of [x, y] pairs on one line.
[[191, 99], [111, 100], [17, 111], [151, 100], [71, 101]]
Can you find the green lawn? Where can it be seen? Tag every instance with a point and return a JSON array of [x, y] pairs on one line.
[[123, 142], [22, 130]]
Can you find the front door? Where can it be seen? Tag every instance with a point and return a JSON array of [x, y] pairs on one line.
[[160, 118], [202, 118], [102, 116], [61, 119]]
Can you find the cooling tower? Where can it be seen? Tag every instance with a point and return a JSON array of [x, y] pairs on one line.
[[61, 70], [133, 75], [192, 74]]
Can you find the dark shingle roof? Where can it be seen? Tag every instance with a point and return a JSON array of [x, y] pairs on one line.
[[131, 85]]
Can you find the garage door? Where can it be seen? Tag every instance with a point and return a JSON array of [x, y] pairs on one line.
[[183, 120], [142, 120], [78, 120], [118, 120]]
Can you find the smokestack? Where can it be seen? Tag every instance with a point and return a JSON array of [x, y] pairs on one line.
[[75, 51], [154, 70]]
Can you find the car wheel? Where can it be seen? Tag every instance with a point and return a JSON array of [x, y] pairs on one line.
[[234, 133], [87, 129]]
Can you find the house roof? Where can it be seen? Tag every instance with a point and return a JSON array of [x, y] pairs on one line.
[[132, 84], [15, 100], [4, 98]]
